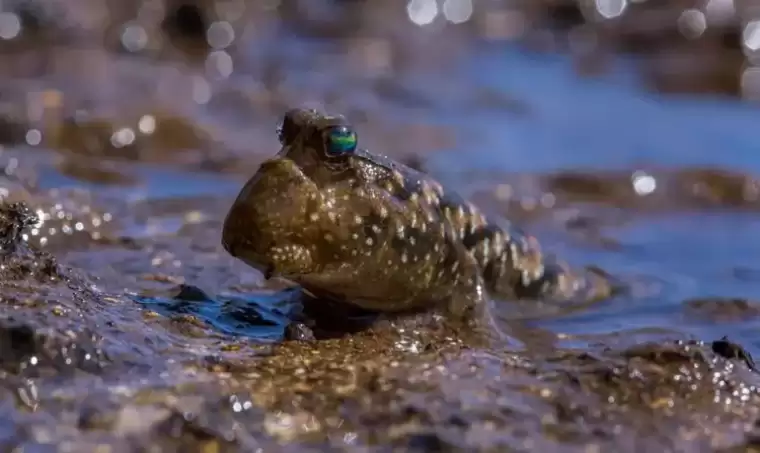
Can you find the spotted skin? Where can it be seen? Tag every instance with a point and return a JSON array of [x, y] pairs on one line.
[[363, 229]]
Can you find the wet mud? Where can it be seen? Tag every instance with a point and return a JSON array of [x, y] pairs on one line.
[[127, 130]]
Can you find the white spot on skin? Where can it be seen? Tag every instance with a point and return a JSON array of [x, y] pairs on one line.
[[470, 229], [358, 220], [314, 216], [398, 177], [486, 245], [538, 272], [498, 244], [437, 187], [369, 241], [404, 258], [513, 250]]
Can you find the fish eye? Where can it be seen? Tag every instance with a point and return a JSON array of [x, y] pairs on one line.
[[293, 123], [340, 141], [287, 127]]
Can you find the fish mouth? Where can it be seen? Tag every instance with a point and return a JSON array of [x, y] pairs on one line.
[[236, 246], [241, 253], [230, 244], [250, 231], [240, 250]]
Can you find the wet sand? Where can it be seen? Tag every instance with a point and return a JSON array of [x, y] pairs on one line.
[[127, 130]]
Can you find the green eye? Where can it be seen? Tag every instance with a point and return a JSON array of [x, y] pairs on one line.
[[341, 140]]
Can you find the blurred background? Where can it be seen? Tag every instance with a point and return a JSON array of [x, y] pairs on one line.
[[622, 133], [609, 128], [199, 84]]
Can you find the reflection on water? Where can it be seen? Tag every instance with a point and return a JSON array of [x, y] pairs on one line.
[[129, 131], [611, 127], [259, 316]]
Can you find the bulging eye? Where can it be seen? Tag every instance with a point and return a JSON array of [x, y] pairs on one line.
[[340, 140], [288, 128], [281, 133]]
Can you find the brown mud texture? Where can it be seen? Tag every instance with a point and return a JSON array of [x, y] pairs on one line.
[[126, 129]]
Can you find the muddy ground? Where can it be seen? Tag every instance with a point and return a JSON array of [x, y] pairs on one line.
[[127, 129]]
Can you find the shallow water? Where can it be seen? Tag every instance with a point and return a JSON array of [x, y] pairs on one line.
[[616, 125], [143, 333]]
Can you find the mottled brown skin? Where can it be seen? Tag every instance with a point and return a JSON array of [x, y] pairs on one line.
[[363, 229]]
